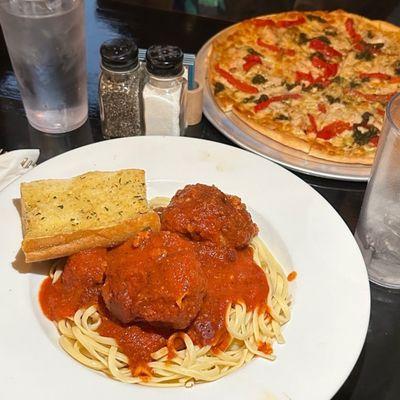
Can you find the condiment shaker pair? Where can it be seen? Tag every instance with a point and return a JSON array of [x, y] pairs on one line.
[[137, 100]]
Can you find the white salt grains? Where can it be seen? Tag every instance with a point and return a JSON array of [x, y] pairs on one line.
[[162, 109]]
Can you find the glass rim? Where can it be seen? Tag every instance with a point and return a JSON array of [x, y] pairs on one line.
[[46, 13], [388, 112]]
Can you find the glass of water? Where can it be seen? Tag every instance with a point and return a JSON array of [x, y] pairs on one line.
[[378, 229], [46, 44]]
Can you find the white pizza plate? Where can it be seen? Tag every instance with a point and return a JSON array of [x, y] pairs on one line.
[[331, 306], [241, 134]]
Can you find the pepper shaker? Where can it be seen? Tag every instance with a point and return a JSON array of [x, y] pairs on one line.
[[164, 93], [119, 89]]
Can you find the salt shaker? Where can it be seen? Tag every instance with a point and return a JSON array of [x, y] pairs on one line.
[[164, 93], [119, 89]]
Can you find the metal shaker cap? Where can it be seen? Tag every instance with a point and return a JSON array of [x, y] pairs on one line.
[[119, 54], [164, 60]]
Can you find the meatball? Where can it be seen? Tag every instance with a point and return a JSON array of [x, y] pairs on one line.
[[85, 269], [204, 213], [156, 278]]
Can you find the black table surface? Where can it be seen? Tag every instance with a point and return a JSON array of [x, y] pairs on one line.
[[377, 372]]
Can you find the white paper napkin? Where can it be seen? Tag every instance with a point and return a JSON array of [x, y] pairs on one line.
[[10, 165]]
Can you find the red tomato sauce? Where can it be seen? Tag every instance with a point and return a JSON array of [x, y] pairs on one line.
[[292, 276], [79, 285], [266, 348], [136, 341], [231, 276]]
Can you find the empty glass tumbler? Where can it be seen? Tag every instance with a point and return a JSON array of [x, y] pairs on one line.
[[46, 44], [378, 229]]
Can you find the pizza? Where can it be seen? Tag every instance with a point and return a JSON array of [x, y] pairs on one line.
[[315, 81]]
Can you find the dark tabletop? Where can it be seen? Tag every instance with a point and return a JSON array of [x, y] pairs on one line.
[[188, 24]]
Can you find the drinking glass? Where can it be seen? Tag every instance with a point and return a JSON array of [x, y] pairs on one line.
[[46, 44], [378, 229]]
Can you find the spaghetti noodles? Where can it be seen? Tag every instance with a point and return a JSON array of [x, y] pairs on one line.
[[251, 333]]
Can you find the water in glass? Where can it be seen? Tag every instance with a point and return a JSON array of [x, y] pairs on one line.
[[46, 43], [378, 229]]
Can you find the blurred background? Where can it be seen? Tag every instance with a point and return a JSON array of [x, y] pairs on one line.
[[236, 10]]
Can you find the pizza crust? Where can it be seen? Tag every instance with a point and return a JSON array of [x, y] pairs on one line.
[[329, 152], [282, 137]]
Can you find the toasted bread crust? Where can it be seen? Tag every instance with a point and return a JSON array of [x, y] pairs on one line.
[[47, 248]]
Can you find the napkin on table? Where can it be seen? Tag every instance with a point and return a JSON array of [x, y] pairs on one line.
[[10, 165]]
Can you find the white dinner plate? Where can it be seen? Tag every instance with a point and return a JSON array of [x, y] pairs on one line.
[[331, 294]]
